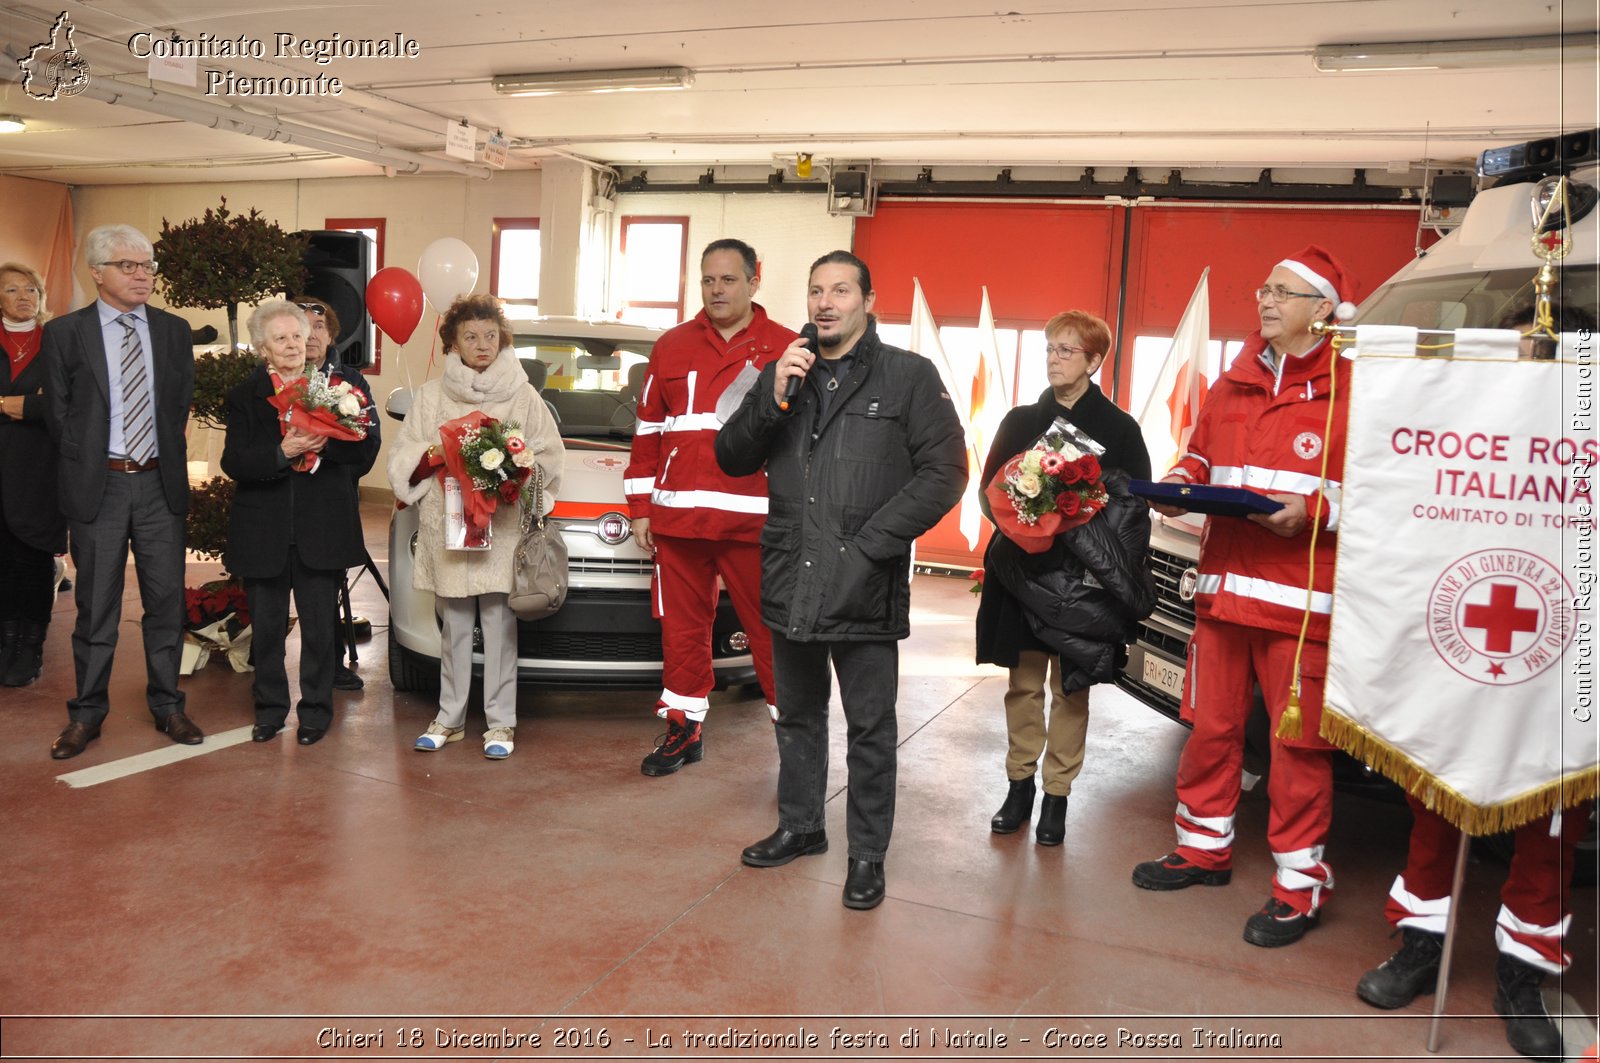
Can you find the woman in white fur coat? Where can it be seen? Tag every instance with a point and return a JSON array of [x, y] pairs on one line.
[[482, 373]]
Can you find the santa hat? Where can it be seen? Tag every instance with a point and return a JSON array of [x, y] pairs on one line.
[[1328, 276]]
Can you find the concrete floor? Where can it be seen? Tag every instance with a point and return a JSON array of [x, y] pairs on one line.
[[323, 902]]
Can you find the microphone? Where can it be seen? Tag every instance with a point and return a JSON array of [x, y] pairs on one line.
[[791, 391]]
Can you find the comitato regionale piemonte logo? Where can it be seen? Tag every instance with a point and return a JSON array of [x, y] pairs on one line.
[[54, 68]]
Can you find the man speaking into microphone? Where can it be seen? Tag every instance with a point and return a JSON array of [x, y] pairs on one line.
[[864, 452]]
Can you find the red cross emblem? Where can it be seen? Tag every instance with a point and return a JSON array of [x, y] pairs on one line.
[[1308, 445], [1501, 618], [1552, 241]]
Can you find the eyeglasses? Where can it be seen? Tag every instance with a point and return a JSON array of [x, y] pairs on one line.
[[1279, 294], [313, 308], [130, 267], [1064, 350]]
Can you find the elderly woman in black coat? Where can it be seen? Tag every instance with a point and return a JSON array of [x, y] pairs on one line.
[[294, 525], [1013, 631], [32, 529]]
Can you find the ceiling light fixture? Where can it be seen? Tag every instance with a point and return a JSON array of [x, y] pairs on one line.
[[11, 123], [639, 79], [1453, 55]]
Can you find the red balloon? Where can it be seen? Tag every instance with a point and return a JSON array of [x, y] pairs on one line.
[[394, 299]]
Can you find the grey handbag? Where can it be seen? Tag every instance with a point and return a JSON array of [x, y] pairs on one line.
[[539, 573]]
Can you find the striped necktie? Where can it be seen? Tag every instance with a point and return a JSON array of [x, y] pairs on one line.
[[138, 412]]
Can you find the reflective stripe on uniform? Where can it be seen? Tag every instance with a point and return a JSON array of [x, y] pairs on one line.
[[1263, 590], [726, 501]]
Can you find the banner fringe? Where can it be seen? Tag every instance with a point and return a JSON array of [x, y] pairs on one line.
[[1439, 798]]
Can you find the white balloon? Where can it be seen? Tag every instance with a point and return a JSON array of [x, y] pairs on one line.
[[447, 270]]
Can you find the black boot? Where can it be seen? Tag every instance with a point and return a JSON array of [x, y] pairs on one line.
[[1529, 1028], [8, 644], [27, 658], [1052, 820], [1016, 809], [1412, 971]]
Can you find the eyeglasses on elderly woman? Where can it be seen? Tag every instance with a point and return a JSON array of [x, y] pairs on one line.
[[313, 308]]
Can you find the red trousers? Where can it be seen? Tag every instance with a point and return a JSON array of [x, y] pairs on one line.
[[684, 599], [1226, 661], [1533, 912]]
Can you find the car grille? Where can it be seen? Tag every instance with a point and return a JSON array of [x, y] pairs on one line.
[[611, 566], [1168, 569], [588, 645], [1176, 648]]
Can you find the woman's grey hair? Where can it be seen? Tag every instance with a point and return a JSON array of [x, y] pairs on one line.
[[266, 312], [34, 279], [101, 245]]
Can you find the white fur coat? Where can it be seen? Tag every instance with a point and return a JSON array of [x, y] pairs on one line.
[[501, 391]]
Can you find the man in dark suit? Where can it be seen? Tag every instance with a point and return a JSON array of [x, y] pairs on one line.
[[121, 378]]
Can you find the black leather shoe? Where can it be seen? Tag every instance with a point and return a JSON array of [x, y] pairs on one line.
[[310, 736], [863, 885], [265, 732], [1052, 820], [345, 679], [781, 846], [181, 729], [1016, 809], [74, 740]]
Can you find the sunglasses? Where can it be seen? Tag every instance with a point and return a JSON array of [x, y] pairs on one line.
[[313, 308]]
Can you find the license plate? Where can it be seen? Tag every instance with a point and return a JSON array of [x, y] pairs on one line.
[[1159, 673]]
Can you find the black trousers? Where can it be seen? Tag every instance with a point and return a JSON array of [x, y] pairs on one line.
[[29, 576], [133, 513], [314, 590], [869, 675]]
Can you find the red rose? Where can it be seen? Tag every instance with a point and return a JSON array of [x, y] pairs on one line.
[[509, 490], [1089, 466], [1068, 503], [1070, 473]]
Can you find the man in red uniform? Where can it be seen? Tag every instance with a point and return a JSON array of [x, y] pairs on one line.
[[699, 522], [1273, 423]]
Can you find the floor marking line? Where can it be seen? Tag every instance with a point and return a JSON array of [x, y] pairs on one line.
[[155, 758]]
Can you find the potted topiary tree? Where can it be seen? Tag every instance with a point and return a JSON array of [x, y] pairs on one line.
[[223, 259]]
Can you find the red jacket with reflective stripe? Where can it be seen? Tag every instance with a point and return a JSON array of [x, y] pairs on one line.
[[1270, 432], [673, 477]]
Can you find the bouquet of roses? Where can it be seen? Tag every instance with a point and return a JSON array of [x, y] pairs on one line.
[[1051, 487], [492, 462], [324, 405]]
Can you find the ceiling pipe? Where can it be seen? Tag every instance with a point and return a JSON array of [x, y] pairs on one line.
[[247, 123]]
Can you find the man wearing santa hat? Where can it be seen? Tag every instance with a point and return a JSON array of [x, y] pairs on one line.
[[1274, 423]]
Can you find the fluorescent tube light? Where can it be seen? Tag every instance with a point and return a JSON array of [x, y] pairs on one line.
[[10, 123], [1454, 55], [639, 79]]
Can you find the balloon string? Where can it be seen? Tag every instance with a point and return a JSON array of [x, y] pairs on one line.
[[433, 344]]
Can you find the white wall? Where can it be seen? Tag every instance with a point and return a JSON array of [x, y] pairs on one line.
[[788, 231]]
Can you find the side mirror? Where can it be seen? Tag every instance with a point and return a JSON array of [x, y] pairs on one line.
[[398, 404]]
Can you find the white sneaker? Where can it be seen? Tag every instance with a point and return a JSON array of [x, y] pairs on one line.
[[437, 736], [498, 742]]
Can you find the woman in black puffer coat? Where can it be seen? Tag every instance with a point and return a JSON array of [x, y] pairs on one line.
[[1055, 625]]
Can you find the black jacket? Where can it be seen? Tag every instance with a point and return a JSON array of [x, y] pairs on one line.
[[28, 462], [275, 506], [1002, 627], [1083, 598], [848, 492], [79, 389]]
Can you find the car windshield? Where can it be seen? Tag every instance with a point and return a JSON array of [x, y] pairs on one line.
[[1473, 300], [589, 384]]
